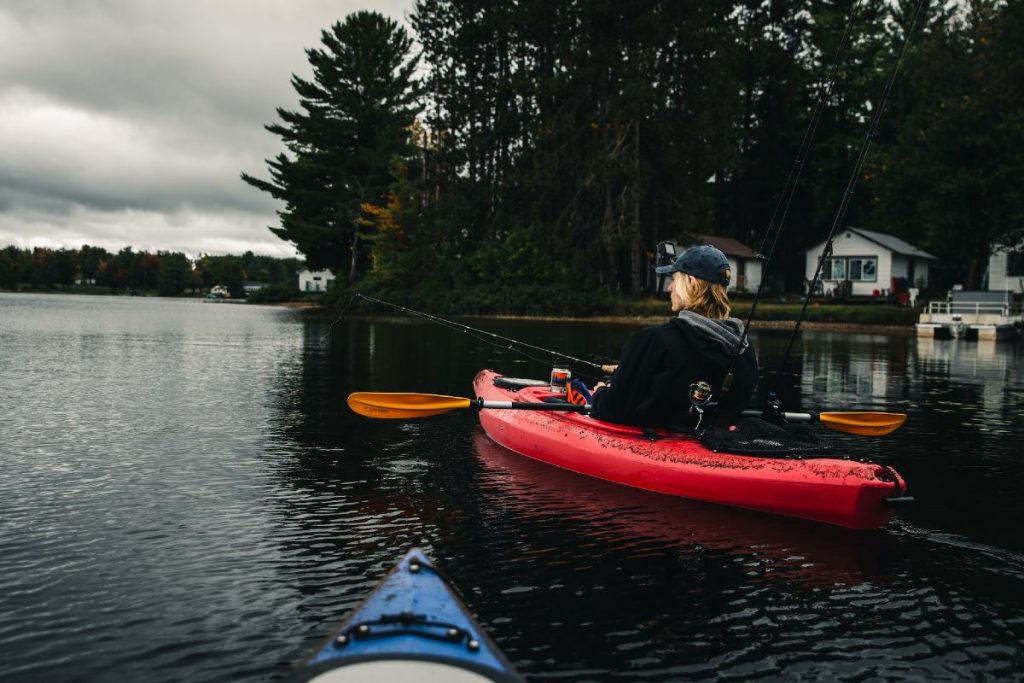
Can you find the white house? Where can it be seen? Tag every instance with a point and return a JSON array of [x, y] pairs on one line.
[[1006, 270], [315, 280], [875, 264], [747, 265]]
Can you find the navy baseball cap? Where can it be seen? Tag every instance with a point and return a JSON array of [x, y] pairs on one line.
[[703, 262]]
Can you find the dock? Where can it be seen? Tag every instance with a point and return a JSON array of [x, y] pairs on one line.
[[980, 315]]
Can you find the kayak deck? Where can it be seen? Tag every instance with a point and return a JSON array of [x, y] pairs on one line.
[[412, 626], [833, 490]]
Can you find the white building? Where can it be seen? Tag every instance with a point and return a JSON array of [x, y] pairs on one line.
[[872, 262], [315, 280], [1006, 270]]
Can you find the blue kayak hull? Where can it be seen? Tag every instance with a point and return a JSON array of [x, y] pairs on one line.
[[412, 624]]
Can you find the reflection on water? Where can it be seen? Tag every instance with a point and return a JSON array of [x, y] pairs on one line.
[[184, 496], [965, 402], [991, 372], [770, 547]]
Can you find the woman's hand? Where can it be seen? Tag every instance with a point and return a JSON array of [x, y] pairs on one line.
[[600, 385], [609, 369]]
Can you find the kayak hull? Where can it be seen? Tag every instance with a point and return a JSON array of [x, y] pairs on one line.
[[412, 626], [833, 490]]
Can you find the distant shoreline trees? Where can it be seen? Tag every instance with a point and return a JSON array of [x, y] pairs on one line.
[[560, 141], [165, 272]]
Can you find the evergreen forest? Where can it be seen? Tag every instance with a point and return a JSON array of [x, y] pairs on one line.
[[526, 143]]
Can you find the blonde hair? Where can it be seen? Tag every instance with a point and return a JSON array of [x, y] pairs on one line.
[[708, 299]]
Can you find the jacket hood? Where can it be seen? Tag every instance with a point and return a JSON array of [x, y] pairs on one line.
[[718, 339]]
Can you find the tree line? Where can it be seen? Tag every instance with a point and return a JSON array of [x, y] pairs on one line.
[[530, 142], [168, 273]]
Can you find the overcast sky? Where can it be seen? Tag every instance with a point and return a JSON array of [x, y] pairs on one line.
[[127, 122]]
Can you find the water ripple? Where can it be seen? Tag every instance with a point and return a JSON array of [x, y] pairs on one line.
[[187, 498]]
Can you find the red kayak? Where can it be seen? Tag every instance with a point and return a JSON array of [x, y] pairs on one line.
[[825, 489]]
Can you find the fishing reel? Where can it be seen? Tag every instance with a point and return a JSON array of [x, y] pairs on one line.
[[665, 253], [700, 400]]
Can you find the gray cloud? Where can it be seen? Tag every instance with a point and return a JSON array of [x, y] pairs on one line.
[[131, 121]]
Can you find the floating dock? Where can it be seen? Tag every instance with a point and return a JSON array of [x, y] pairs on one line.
[[981, 315]]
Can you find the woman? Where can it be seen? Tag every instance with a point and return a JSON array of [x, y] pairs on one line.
[[651, 386]]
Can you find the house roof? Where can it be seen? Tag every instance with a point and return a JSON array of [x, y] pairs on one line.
[[729, 246], [890, 242]]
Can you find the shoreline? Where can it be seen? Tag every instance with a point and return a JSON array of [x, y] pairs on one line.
[[315, 308], [780, 325], [643, 321]]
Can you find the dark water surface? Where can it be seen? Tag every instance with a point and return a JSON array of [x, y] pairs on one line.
[[184, 496]]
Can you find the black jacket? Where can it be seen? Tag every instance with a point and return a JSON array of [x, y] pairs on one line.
[[658, 364]]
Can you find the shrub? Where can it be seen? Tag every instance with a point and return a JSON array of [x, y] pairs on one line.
[[275, 293]]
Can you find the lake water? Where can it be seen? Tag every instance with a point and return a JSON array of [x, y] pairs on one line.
[[185, 496]]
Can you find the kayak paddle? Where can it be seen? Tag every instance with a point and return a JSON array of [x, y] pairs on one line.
[[399, 406], [863, 423], [391, 406]]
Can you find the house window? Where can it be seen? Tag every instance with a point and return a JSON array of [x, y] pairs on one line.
[[863, 269], [857, 269], [1015, 264], [835, 269]]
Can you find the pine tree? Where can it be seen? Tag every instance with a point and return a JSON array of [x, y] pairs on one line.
[[949, 182], [355, 117]]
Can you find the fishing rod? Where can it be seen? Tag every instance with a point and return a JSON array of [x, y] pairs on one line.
[[790, 188], [485, 336], [774, 229], [858, 167]]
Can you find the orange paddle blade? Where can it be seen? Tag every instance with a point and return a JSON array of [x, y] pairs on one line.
[[398, 406], [865, 424]]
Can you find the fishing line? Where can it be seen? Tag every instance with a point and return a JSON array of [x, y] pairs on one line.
[[496, 340], [330, 329], [796, 170], [774, 229], [844, 205]]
